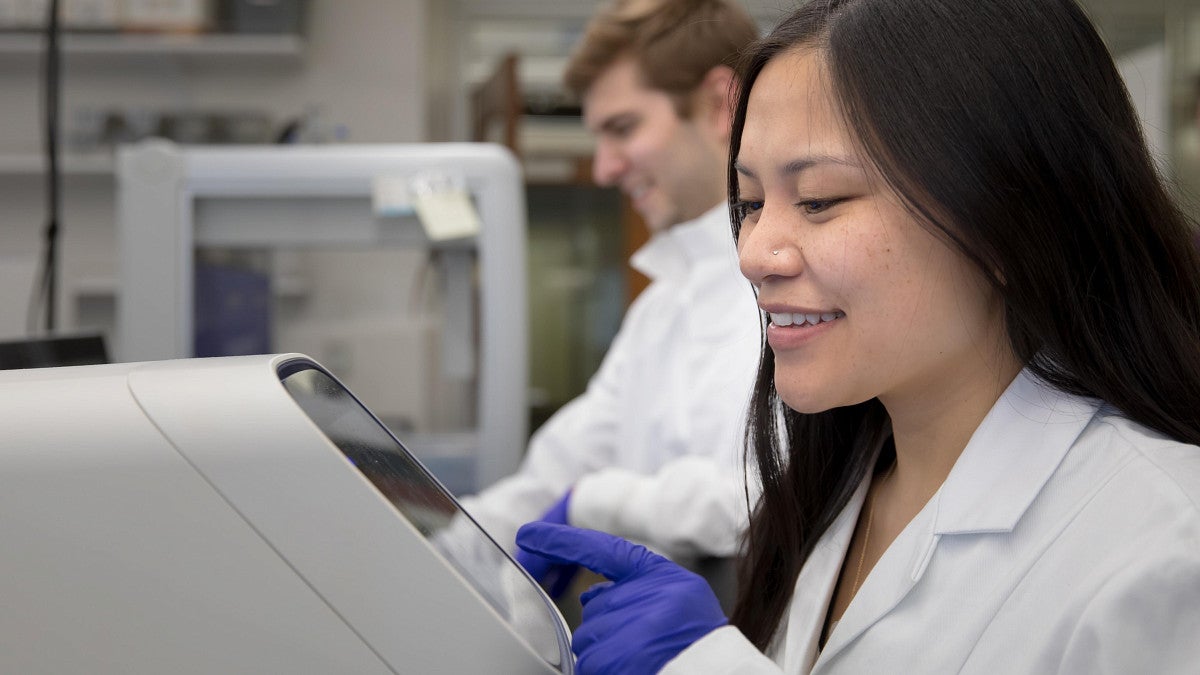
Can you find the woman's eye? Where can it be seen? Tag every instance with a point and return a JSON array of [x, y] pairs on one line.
[[815, 206], [746, 207]]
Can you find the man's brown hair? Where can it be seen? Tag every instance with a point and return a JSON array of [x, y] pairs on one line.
[[675, 43]]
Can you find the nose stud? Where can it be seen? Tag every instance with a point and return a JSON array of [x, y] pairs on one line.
[[775, 252]]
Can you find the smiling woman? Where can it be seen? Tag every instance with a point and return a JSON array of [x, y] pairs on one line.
[[864, 302], [973, 196], [975, 416]]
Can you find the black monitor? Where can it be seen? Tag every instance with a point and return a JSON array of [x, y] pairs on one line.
[[44, 352]]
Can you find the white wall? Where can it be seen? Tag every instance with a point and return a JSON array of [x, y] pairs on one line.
[[1145, 73]]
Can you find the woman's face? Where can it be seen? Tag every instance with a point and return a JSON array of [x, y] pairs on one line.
[[863, 301]]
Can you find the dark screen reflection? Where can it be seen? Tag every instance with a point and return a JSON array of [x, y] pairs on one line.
[[400, 478]]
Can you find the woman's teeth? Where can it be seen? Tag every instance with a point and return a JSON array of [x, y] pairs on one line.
[[788, 319]]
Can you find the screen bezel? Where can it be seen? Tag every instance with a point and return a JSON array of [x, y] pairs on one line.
[[294, 366]]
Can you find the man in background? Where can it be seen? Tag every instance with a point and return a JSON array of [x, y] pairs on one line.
[[652, 451]]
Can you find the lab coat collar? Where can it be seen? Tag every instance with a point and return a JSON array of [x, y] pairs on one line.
[[1011, 455], [999, 474], [814, 591], [674, 251]]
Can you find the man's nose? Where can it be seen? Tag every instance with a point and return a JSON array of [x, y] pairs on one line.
[[608, 164]]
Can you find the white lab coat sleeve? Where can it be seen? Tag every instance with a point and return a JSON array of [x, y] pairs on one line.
[[725, 651], [1146, 619], [692, 506], [578, 439]]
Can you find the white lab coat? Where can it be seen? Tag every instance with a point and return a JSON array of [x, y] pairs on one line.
[[653, 448], [1066, 539]]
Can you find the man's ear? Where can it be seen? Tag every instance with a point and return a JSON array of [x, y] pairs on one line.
[[715, 98]]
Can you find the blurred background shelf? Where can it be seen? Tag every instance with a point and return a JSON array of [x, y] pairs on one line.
[[211, 45]]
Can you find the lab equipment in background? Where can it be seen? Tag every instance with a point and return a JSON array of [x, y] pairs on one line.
[[168, 16], [176, 16], [242, 514], [199, 126], [102, 129], [233, 307], [349, 267], [313, 126], [89, 15], [263, 16], [56, 350]]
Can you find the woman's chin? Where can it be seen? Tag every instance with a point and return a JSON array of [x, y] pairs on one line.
[[810, 401], [806, 402]]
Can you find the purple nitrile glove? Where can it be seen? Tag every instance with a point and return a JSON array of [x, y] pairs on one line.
[[553, 577], [651, 610]]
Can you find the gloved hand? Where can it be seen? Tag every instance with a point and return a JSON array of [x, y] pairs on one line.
[[553, 577], [651, 610]]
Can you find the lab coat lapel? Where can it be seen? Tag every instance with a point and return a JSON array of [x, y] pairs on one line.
[[1011, 456], [1003, 468], [815, 586], [896, 573]]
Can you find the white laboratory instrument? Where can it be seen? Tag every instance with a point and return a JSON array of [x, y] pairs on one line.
[[240, 515], [173, 200]]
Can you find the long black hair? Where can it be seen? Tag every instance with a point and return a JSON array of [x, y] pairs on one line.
[[1007, 131]]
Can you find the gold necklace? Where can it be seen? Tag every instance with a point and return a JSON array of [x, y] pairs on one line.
[[862, 555]]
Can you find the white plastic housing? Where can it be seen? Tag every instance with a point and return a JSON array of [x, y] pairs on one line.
[[189, 517]]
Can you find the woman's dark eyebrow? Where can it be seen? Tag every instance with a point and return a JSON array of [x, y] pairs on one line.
[[800, 165]]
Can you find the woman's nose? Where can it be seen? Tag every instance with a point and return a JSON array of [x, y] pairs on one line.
[[763, 253]]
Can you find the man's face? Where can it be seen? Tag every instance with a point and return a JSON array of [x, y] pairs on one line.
[[671, 168]]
